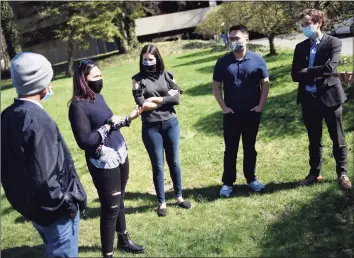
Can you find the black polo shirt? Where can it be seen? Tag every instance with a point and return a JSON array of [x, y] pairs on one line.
[[241, 79]]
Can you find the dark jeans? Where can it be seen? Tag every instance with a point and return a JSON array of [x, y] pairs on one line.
[[313, 113], [235, 125], [110, 185], [158, 136]]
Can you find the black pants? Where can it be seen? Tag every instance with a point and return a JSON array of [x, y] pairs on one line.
[[313, 113], [235, 125], [110, 185]]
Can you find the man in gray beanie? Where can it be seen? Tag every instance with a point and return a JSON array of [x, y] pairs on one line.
[[37, 171]]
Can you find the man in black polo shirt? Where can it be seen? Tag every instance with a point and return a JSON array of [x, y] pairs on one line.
[[244, 77]]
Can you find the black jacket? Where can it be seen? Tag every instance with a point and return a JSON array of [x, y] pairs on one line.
[[37, 171], [327, 58]]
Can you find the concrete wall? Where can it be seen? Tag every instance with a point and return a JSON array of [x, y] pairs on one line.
[[56, 50], [170, 22]]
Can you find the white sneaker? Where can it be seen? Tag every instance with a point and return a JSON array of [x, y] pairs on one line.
[[225, 191], [256, 186]]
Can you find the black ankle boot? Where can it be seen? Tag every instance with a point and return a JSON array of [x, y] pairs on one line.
[[126, 245]]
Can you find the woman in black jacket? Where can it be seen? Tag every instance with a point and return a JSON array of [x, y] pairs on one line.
[[97, 131], [155, 91]]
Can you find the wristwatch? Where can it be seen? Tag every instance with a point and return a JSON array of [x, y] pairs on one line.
[[110, 122]]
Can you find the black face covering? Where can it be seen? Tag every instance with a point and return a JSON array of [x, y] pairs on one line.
[[150, 68], [96, 86]]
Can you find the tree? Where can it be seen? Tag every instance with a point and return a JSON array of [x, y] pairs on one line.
[[211, 26], [336, 11], [125, 21], [272, 19], [223, 17], [10, 44], [81, 21]]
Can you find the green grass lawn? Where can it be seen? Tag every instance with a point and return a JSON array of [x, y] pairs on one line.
[[284, 221]]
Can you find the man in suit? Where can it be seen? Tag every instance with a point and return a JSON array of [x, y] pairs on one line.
[[321, 97]]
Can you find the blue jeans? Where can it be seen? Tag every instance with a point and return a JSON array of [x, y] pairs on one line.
[[61, 238], [158, 136]]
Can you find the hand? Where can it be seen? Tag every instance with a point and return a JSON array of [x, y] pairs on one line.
[[257, 109], [151, 99], [135, 113], [172, 92], [227, 110], [116, 119], [304, 70], [148, 106]]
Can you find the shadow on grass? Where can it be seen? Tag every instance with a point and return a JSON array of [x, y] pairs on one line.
[[201, 194], [323, 227], [197, 54], [6, 87], [198, 45], [199, 61], [93, 213], [199, 90], [279, 75], [6, 211], [21, 220], [24, 251], [348, 111], [38, 251], [211, 193], [283, 56]]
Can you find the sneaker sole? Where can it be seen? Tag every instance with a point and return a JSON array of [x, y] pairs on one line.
[[257, 191], [225, 196]]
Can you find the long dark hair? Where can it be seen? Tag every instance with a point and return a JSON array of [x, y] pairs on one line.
[[81, 90], [151, 49]]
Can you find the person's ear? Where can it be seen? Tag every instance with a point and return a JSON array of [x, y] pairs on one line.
[[319, 25], [43, 92]]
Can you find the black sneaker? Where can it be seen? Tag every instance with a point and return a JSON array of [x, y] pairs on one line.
[[185, 205], [161, 212]]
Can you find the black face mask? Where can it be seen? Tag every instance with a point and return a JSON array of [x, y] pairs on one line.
[[96, 86], [150, 68]]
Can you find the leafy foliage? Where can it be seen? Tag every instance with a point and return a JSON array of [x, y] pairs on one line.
[[10, 43]]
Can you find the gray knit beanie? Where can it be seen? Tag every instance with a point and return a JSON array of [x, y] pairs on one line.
[[30, 73]]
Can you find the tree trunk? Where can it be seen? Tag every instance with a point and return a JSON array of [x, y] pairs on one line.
[[272, 51], [316, 5], [71, 48], [9, 29], [122, 48], [4, 55], [129, 26]]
